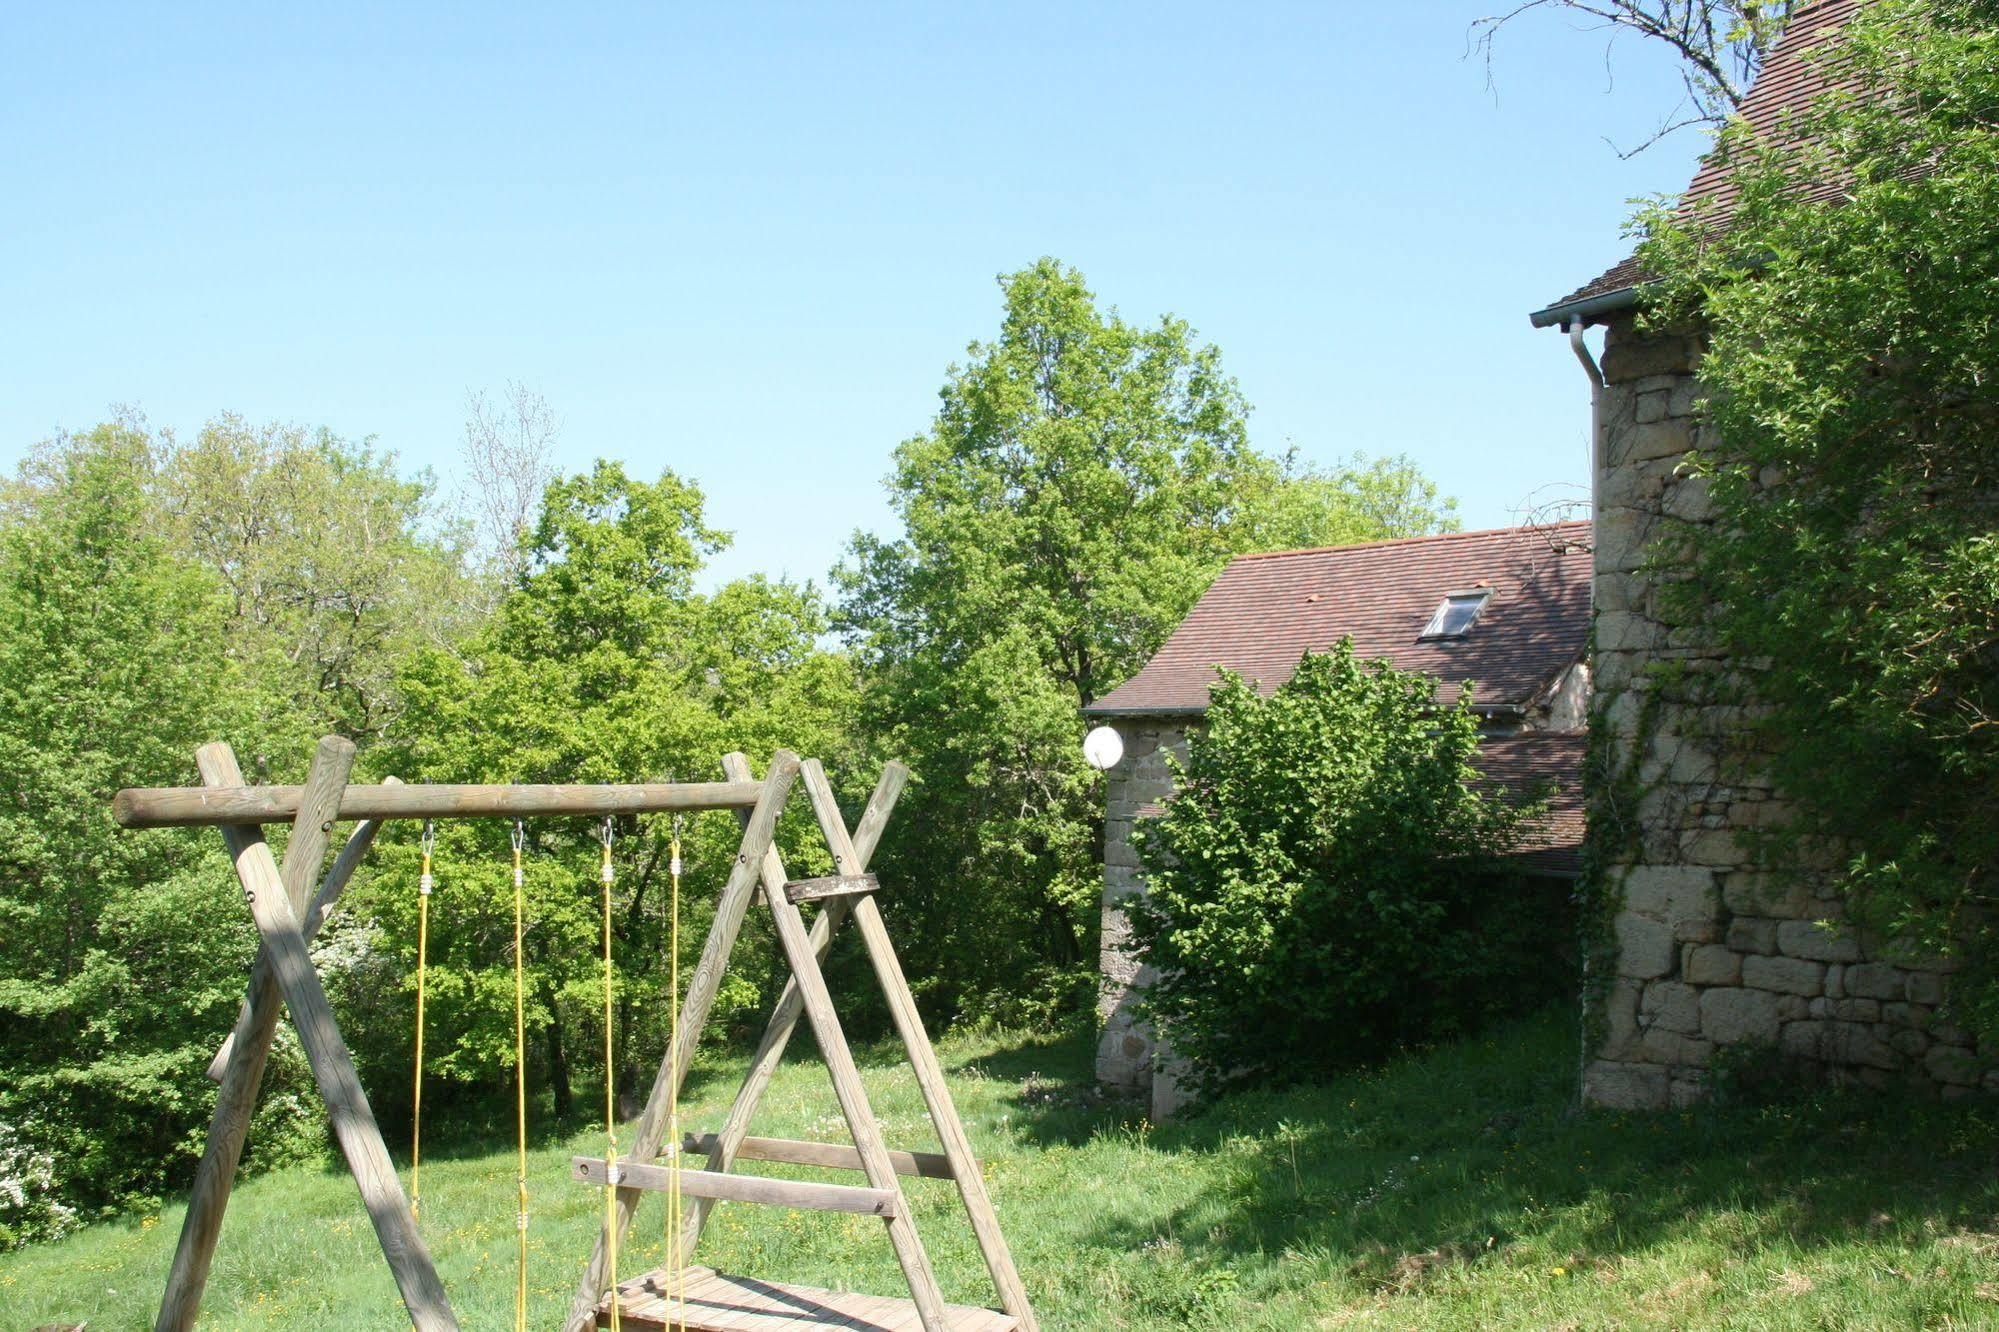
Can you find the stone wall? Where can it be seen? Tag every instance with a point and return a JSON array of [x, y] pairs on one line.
[[1125, 1051], [1706, 951]]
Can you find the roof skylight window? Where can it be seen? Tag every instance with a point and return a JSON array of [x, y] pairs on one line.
[[1455, 617]]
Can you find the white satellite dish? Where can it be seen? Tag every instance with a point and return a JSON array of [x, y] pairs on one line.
[[1102, 748]]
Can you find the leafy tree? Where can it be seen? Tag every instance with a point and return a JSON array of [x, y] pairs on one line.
[[125, 954], [332, 576], [1084, 479], [1328, 878], [1851, 387], [603, 665]]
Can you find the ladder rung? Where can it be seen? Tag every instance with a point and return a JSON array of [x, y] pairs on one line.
[[834, 1155], [741, 1188], [831, 885]]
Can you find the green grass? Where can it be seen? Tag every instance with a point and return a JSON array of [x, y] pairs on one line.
[[1454, 1189]]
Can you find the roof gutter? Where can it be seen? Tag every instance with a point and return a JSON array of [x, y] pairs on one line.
[[1585, 310]]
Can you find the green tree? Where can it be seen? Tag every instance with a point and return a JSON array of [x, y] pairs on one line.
[[125, 953], [1850, 375], [333, 568], [604, 664], [1083, 481], [1329, 879]]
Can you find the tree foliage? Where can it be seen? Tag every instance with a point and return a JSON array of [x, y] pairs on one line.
[[1083, 482], [1328, 879], [1850, 369]]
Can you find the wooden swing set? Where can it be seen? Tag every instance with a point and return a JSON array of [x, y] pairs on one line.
[[289, 903]]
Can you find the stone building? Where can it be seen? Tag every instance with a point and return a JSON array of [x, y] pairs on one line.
[[1506, 611], [1706, 950]]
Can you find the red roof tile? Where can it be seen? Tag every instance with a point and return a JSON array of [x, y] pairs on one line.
[[1789, 83], [1542, 762], [1265, 611]]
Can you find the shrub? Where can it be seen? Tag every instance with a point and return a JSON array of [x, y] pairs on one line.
[[1330, 881]]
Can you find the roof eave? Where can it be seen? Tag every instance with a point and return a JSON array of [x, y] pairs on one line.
[[1587, 309]]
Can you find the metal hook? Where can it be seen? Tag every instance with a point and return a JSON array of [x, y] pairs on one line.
[[607, 834], [519, 836], [429, 836]]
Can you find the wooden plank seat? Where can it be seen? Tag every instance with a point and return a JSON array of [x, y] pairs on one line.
[[704, 1300], [741, 1188], [832, 1155]]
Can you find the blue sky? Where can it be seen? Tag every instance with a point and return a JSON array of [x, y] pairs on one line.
[[746, 241]]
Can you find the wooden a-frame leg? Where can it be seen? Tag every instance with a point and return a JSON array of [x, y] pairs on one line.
[[347, 1106], [701, 991], [312, 915], [242, 1074], [853, 1098], [791, 1003], [848, 859]]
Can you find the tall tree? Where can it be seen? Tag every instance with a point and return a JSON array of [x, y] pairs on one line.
[[509, 448], [1082, 482]]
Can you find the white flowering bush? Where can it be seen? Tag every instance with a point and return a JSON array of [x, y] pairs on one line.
[[29, 1209]]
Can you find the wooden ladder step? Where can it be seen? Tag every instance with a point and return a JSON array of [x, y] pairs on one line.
[[700, 1299], [741, 1188], [831, 885], [832, 1155]]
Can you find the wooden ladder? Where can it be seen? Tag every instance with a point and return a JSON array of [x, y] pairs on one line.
[[699, 1298]]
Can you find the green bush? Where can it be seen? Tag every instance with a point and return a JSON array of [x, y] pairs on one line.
[[1855, 473], [1330, 881]]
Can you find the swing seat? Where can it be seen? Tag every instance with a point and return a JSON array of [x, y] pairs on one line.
[[709, 1301]]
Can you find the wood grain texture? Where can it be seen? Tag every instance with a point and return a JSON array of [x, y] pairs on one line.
[[758, 829], [323, 901], [805, 1195], [790, 1004], [703, 1300], [830, 885], [250, 1044], [831, 1155], [194, 806], [922, 1056], [352, 1119]]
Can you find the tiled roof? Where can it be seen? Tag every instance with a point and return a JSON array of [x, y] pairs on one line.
[[1547, 762], [1265, 611], [1789, 83]]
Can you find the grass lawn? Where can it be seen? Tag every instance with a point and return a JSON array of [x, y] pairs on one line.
[[1453, 1189]]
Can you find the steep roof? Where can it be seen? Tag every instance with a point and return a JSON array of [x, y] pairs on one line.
[[1790, 82], [1266, 611], [1542, 762]]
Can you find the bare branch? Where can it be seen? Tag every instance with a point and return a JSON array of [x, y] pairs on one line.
[[508, 448]]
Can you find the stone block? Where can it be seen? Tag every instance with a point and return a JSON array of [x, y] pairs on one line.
[[1670, 893], [1671, 1005], [1620, 1086], [1952, 1065], [1734, 1016], [1851, 1044], [1809, 939], [1688, 500], [1652, 405], [1711, 964], [1784, 975], [1630, 354], [1909, 1043], [1761, 893], [1675, 1050], [1914, 1017], [1925, 987], [1718, 847], [1748, 934], [1855, 1010], [1876, 980], [1621, 1032], [1644, 946]]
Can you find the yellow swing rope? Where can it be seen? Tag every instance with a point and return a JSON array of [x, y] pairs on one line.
[[422, 966], [520, 1097], [676, 1260], [610, 1098]]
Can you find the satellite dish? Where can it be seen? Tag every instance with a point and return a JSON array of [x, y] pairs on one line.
[[1102, 748]]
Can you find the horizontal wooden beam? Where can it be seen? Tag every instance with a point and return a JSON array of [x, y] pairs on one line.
[[832, 1155], [741, 1188], [831, 885], [196, 806]]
